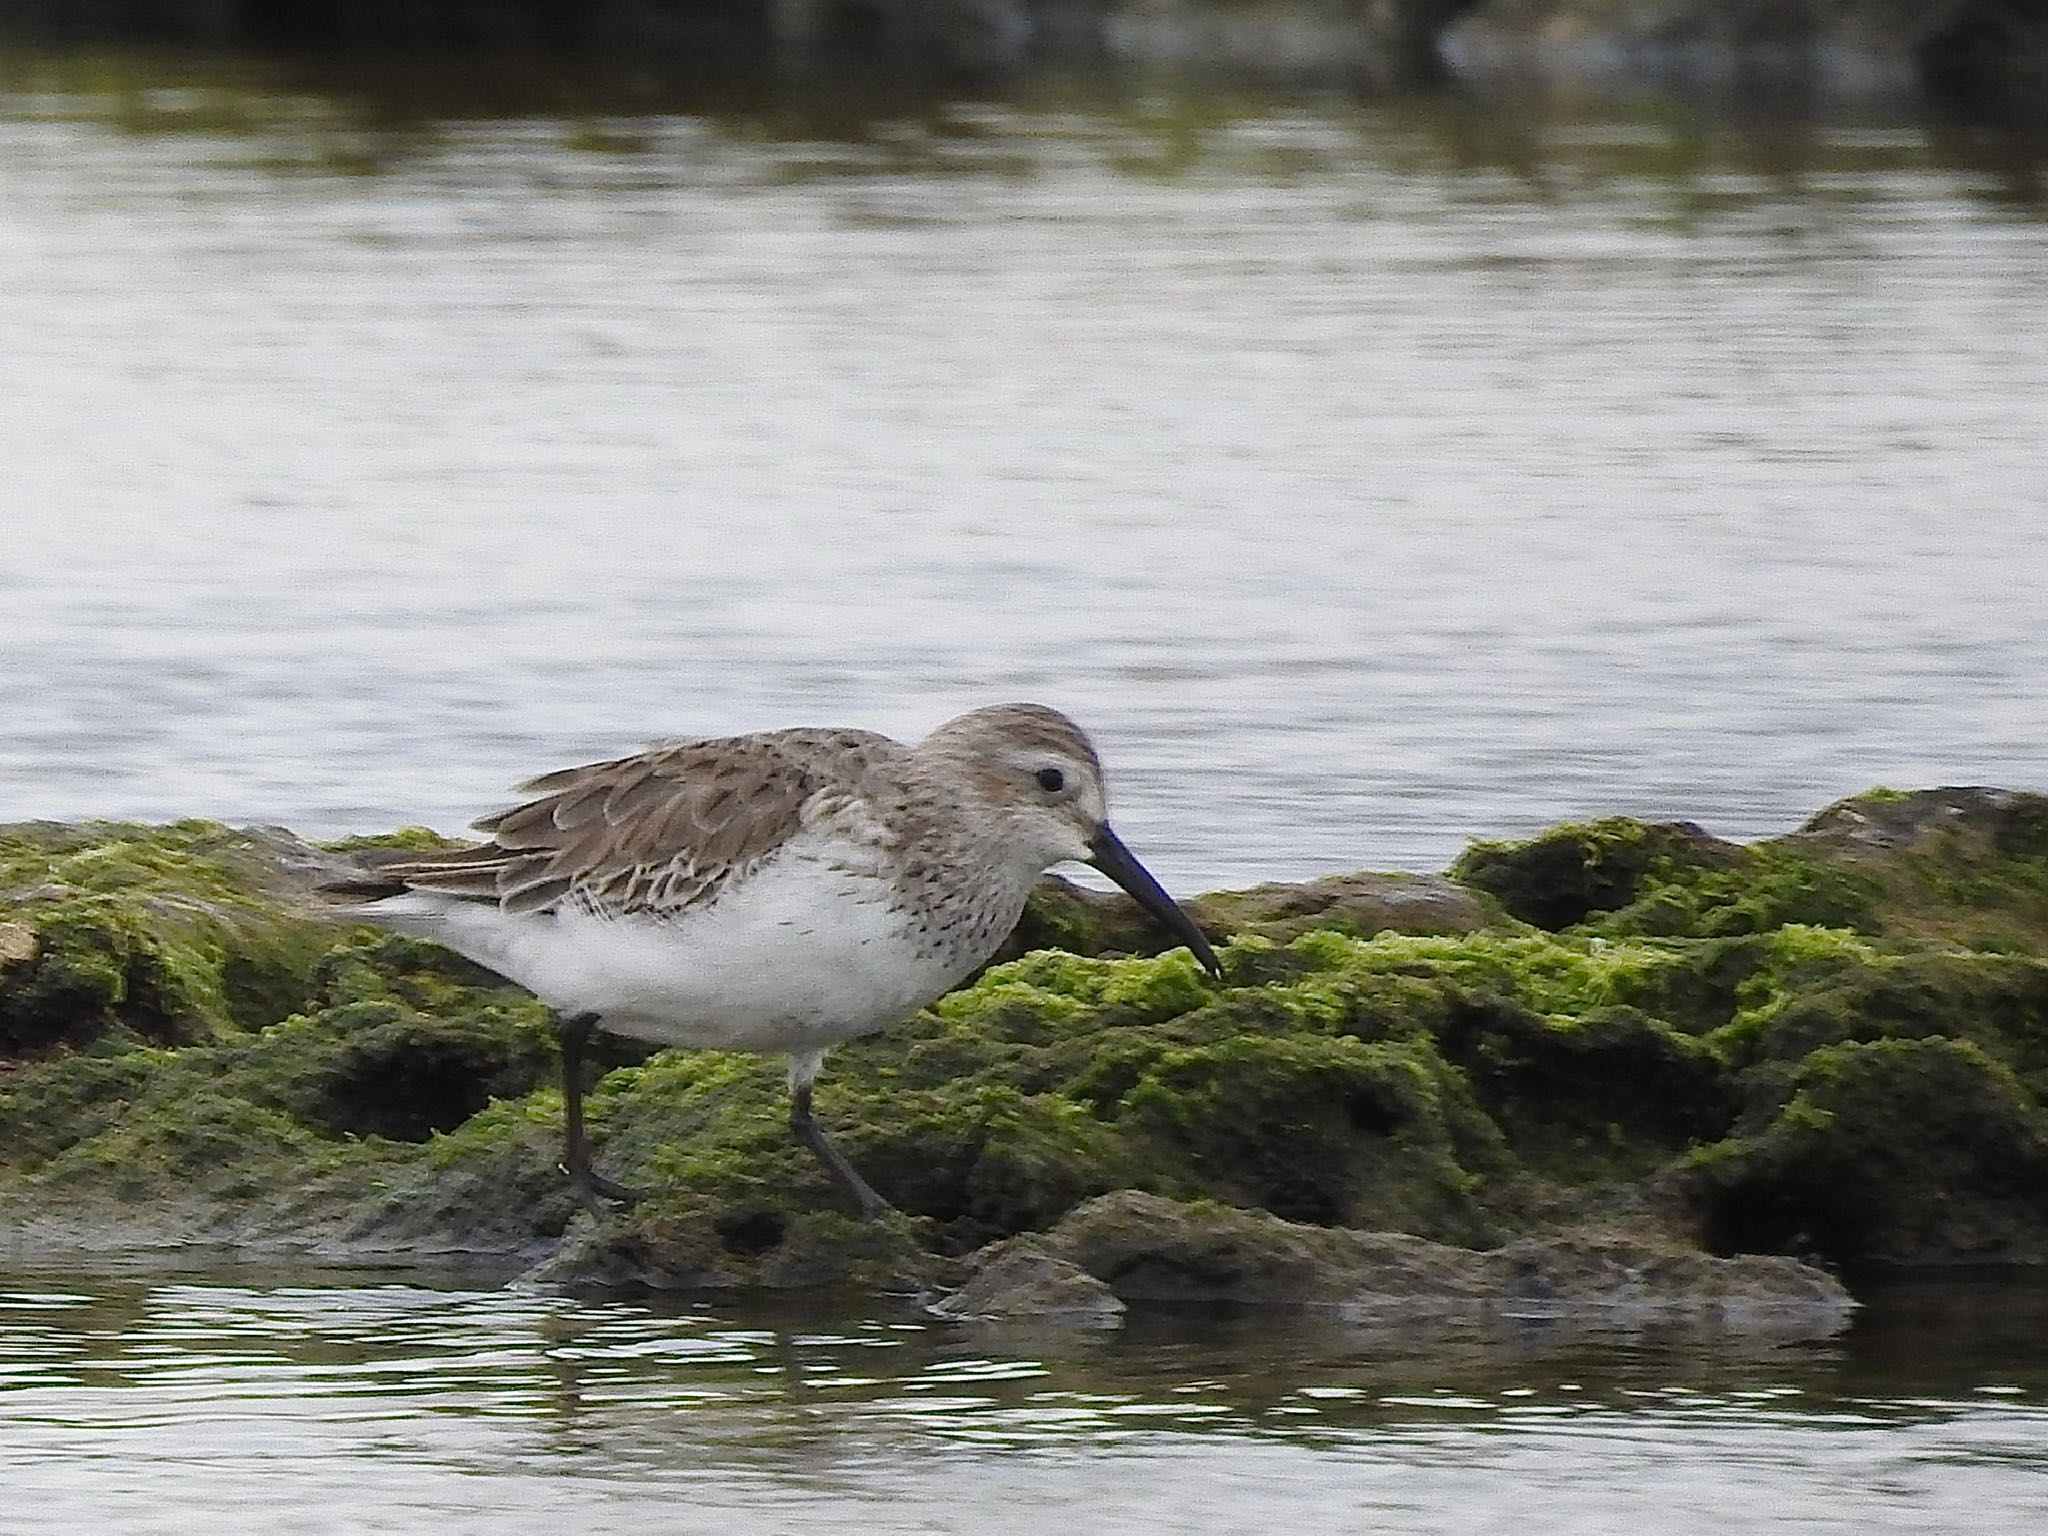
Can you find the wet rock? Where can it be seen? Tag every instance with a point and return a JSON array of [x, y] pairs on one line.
[[1363, 904], [1145, 1248], [1020, 1278], [1887, 821], [1626, 1275]]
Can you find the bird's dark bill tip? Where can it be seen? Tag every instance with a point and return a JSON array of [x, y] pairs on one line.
[[1108, 854]]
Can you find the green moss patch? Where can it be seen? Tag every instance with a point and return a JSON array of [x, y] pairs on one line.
[[1834, 1042], [1572, 872], [1622, 877], [1900, 1150], [170, 934]]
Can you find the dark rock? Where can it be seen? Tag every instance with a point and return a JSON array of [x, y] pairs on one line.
[[1020, 1278], [1145, 1248], [1989, 55], [1885, 822]]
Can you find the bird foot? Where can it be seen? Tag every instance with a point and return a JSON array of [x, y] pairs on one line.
[[593, 1190], [872, 1206]]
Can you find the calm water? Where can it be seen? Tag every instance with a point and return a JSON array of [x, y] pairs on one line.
[[1369, 476], [231, 1405]]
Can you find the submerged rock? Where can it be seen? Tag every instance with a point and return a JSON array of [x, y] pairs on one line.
[[1022, 1277], [1136, 1247], [1833, 1044]]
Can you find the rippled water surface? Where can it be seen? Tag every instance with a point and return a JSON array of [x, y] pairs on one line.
[[232, 1404], [1369, 476]]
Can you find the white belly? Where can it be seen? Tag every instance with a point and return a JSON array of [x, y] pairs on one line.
[[793, 957]]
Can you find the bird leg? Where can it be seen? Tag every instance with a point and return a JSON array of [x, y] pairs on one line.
[[807, 1130], [592, 1188]]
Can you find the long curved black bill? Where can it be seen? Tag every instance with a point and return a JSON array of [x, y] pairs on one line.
[[1108, 854]]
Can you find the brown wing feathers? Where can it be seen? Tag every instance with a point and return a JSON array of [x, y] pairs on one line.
[[652, 832]]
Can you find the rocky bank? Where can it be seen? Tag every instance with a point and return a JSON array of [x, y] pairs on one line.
[[1586, 1070]]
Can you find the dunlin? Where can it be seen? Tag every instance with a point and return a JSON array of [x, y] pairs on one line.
[[782, 891]]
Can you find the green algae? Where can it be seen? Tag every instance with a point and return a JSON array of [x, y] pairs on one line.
[[170, 934], [1900, 1150], [1572, 872], [1756, 891], [1835, 1042], [1965, 866], [1625, 878], [1969, 867], [402, 840]]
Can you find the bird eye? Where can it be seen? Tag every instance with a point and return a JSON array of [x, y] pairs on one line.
[[1051, 780]]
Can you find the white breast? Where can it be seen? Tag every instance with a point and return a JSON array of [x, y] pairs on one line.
[[795, 956]]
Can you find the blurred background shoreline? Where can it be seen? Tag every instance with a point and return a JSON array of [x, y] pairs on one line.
[[1978, 54]]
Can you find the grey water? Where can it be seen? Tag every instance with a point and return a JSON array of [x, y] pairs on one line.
[[1370, 476], [238, 1402]]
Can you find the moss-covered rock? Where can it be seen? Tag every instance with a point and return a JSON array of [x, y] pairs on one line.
[[1571, 873], [1077, 920], [167, 934], [1612, 1091], [1964, 866], [1834, 1042], [1896, 1150], [1637, 879]]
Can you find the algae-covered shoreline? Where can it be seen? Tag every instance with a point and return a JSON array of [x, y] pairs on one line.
[[1616, 1049]]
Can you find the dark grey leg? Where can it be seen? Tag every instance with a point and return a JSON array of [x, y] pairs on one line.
[[592, 1188], [807, 1130]]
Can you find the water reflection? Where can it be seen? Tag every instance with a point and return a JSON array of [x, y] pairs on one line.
[[1920, 1346], [234, 1396]]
